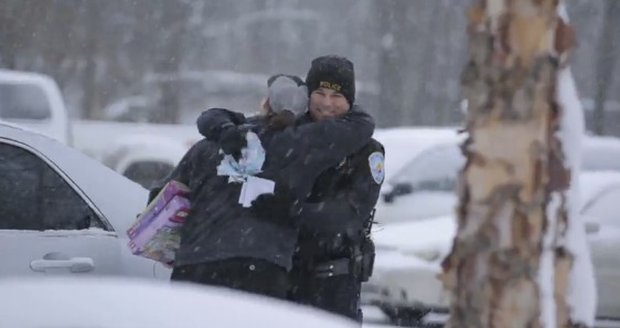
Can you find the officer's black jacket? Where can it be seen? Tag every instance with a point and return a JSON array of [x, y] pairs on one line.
[[344, 196], [339, 208], [296, 156], [217, 227], [335, 211]]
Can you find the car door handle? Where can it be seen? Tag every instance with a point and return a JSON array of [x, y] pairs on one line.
[[75, 264]]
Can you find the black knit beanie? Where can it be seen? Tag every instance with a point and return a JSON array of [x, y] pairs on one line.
[[332, 72]]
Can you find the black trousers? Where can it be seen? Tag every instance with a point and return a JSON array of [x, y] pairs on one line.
[[250, 275], [337, 294]]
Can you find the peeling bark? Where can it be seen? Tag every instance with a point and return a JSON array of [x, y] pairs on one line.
[[512, 203]]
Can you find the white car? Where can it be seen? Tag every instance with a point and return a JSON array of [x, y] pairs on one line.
[[409, 150], [145, 153], [62, 212], [114, 303], [409, 255], [424, 187]]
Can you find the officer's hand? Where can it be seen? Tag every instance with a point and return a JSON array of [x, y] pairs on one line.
[[272, 208], [232, 140]]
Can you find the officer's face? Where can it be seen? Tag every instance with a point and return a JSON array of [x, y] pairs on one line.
[[326, 103]]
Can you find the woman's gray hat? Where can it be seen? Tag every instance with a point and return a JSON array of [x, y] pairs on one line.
[[287, 92]]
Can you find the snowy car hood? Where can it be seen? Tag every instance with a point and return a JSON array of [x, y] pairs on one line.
[[434, 233], [118, 198], [112, 303]]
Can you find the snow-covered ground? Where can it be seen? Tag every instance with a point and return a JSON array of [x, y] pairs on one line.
[[112, 302], [374, 318]]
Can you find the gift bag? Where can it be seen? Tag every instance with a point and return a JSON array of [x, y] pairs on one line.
[[156, 232]]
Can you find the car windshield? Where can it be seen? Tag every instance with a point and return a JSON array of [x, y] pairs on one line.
[[23, 101], [434, 169]]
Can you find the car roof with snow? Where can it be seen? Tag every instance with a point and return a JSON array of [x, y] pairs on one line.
[[95, 180], [600, 153], [7, 75], [593, 183]]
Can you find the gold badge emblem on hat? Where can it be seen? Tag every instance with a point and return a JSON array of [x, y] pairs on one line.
[[330, 85]]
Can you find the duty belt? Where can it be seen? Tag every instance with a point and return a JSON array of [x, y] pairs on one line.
[[333, 268]]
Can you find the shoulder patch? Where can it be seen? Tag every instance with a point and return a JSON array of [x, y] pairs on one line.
[[376, 164]]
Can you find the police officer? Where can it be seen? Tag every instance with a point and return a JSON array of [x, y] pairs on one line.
[[226, 244], [335, 253]]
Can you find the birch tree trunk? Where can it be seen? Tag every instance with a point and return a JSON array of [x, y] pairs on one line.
[[508, 266]]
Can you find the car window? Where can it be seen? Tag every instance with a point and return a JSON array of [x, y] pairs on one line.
[[435, 169], [23, 101], [35, 197], [604, 209]]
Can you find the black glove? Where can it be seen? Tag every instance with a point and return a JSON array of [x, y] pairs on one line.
[[152, 194], [232, 139], [273, 208]]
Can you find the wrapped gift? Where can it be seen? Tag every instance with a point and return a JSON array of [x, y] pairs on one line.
[[250, 163], [156, 234], [171, 189]]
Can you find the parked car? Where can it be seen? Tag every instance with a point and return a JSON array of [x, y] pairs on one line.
[[114, 303], [144, 158], [62, 212], [405, 143], [425, 186], [142, 152], [34, 100], [409, 288]]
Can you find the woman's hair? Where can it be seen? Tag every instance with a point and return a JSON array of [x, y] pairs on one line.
[[279, 120]]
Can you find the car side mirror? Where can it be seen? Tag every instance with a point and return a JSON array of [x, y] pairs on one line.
[[592, 227], [400, 189]]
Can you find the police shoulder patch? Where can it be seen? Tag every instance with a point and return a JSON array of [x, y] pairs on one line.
[[376, 164]]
